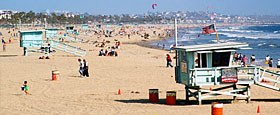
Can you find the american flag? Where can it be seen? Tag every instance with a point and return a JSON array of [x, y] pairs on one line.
[[209, 29]]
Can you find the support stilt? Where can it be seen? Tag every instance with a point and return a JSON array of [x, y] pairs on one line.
[[199, 97], [249, 94], [235, 100], [187, 95]]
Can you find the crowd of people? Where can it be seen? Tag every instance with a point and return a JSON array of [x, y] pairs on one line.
[[109, 50], [243, 60]]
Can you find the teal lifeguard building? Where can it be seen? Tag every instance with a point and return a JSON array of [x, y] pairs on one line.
[[51, 32], [84, 27], [32, 41], [199, 67], [70, 28], [29, 38]]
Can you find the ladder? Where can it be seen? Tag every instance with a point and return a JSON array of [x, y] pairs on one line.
[[261, 79], [68, 48]]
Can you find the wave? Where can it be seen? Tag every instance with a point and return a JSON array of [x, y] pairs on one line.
[[252, 36], [240, 31], [275, 32]]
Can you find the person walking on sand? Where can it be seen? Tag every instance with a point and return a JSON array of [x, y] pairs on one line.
[[81, 69], [25, 88], [168, 60], [85, 68]]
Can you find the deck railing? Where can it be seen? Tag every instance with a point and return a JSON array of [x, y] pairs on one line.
[[246, 75], [57, 45]]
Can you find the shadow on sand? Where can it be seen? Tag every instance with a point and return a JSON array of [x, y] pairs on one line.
[[8, 55], [76, 76], [194, 102]]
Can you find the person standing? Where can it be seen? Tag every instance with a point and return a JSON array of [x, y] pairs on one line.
[[253, 59], [267, 58], [270, 63], [81, 69], [235, 56], [278, 63], [168, 60], [3, 41], [244, 60], [85, 68], [4, 46]]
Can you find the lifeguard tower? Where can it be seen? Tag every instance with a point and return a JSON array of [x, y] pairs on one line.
[[70, 28], [84, 27], [199, 67], [33, 39], [51, 32]]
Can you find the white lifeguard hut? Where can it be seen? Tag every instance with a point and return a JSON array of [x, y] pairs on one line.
[[199, 67]]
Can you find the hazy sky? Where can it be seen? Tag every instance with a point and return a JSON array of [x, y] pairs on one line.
[[240, 7]]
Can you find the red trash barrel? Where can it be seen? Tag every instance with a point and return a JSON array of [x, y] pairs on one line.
[[55, 75], [171, 97], [153, 96], [217, 109]]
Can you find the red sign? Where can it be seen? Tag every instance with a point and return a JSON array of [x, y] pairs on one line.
[[229, 75], [229, 79]]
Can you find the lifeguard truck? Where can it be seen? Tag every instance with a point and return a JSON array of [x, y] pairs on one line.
[[199, 67]]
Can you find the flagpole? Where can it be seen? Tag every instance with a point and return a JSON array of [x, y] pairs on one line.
[[176, 33], [216, 33]]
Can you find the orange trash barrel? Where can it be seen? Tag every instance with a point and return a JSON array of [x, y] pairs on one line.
[[217, 109], [153, 96], [171, 97], [55, 75]]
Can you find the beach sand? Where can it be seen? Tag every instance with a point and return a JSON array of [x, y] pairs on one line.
[[136, 69]]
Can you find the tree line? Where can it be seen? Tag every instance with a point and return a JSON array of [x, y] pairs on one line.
[[40, 18]]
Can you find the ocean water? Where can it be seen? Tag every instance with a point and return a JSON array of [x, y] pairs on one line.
[[263, 40]]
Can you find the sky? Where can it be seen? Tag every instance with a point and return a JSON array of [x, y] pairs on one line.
[[233, 7]]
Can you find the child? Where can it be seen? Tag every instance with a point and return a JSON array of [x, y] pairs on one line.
[[4, 46], [25, 88]]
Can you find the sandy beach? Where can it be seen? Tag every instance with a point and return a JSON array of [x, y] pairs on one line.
[[134, 71]]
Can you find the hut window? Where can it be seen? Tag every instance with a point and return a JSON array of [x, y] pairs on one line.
[[220, 59], [202, 60]]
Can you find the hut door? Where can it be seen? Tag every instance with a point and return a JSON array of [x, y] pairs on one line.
[[202, 60]]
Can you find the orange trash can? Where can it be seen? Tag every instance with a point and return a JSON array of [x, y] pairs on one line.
[[55, 75], [153, 96], [171, 97], [217, 108]]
